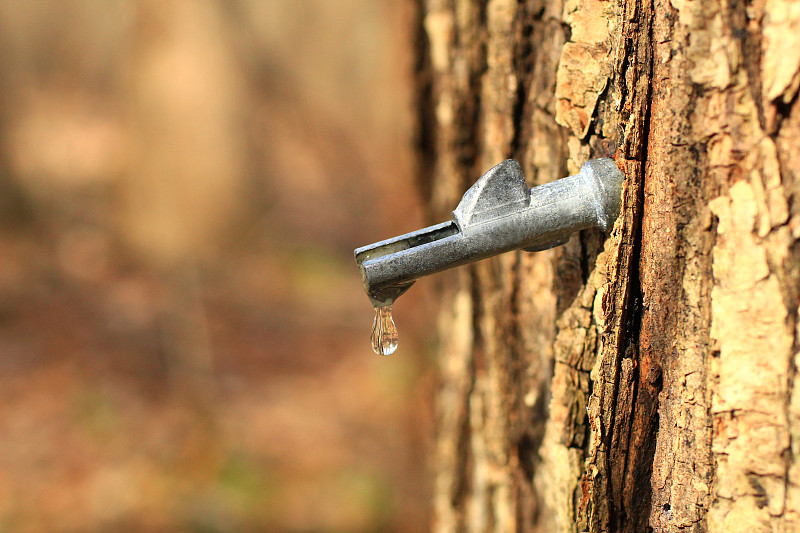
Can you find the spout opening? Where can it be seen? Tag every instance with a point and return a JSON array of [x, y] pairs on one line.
[[404, 242]]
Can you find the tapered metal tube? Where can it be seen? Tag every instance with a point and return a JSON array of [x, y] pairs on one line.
[[497, 214]]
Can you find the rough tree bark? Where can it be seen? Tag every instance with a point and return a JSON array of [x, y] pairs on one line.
[[643, 379]]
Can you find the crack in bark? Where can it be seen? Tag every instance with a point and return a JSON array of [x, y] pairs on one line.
[[424, 106]]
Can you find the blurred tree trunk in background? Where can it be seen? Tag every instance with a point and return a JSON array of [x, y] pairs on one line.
[[186, 180], [646, 379]]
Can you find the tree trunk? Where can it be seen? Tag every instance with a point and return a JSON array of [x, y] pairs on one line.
[[645, 378]]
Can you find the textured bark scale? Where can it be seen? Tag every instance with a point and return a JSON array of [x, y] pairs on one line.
[[642, 379]]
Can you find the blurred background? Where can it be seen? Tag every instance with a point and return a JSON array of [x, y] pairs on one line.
[[184, 341]]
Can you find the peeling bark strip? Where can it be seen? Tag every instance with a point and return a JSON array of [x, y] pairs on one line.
[[644, 379]]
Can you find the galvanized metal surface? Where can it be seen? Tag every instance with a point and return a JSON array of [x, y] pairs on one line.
[[499, 213]]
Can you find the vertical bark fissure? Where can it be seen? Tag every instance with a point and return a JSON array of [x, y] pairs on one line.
[[792, 282], [424, 105], [524, 60], [749, 30], [469, 142], [634, 405], [644, 414]]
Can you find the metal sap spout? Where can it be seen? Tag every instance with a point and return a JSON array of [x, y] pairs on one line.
[[499, 213]]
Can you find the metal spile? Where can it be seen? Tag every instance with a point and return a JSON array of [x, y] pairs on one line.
[[499, 213]]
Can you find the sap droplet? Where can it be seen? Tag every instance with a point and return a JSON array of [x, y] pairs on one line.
[[384, 332]]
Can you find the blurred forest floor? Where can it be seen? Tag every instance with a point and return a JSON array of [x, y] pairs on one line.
[[184, 341]]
